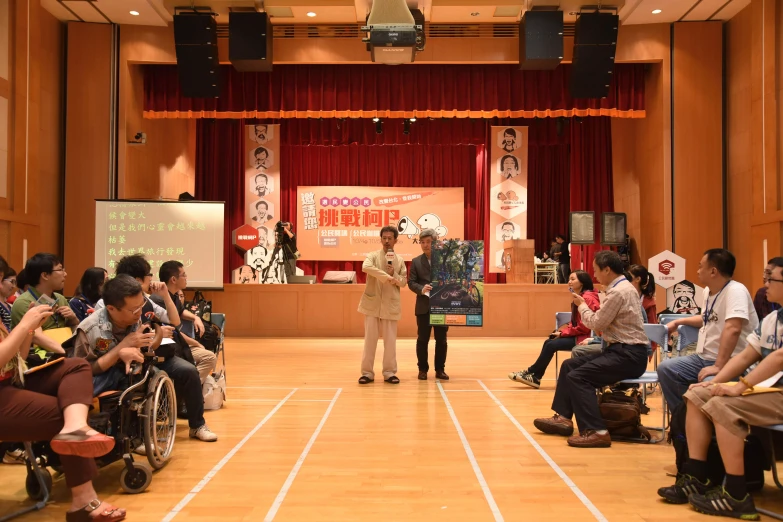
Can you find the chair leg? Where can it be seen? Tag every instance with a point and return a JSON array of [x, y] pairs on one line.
[[774, 466], [39, 476], [557, 366]]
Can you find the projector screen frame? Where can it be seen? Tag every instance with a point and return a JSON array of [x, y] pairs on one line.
[[220, 255]]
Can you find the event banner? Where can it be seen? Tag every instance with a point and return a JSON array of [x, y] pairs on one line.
[[457, 296], [344, 223], [262, 202], [507, 191]]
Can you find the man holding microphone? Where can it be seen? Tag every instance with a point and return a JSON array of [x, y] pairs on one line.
[[419, 281], [380, 304]]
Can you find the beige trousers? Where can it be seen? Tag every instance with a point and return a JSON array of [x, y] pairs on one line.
[[373, 326], [205, 361]]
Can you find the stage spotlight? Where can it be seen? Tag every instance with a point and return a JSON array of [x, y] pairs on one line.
[[412, 120], [376, 119], [406, 127], [378, 126]]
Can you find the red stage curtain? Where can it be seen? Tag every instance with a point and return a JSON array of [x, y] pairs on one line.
[[361, 91], [591, 179], [574, 163]]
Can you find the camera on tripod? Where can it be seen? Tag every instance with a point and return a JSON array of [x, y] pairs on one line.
[[280, 230]]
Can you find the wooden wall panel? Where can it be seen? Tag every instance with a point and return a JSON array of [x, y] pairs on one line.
[[87, 138], [698, 148], [738, 130], [626, 179], [331, 311]]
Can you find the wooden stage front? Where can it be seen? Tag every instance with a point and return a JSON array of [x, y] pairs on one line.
[[510, 310]]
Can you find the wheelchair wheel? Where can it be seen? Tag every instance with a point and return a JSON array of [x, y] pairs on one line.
[[32, 486], [136, 480], [159, 420]]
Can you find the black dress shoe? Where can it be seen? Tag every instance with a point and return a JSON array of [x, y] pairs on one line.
[[441, 375], [422, 376]]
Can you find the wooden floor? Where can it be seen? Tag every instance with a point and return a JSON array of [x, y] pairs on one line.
[[300, 440]]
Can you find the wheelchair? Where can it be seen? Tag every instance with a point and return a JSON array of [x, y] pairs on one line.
[[145, 414]]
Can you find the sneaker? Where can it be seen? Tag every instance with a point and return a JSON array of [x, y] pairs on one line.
[[203, 434], [140, 450], [683, 488], [718, 502], [14, 457], [525, 377]]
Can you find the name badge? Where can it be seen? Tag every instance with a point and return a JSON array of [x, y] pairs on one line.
[[702, 340]]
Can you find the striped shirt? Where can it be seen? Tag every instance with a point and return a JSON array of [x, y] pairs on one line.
[[620, 315]]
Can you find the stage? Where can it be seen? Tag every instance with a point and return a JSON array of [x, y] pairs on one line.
[[319, 310]]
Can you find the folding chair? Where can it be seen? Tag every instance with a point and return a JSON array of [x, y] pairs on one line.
[[43, 478], [219, 320], [686, 335], [773, 465], [655, 333], [561, 318]]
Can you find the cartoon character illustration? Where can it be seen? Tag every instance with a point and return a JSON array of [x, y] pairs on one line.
[[244, 275], [406, 226], [509, 166], [685, 298], [509, 140], [433, 221]]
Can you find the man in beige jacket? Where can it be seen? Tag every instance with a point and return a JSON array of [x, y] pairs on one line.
[[380, 305]]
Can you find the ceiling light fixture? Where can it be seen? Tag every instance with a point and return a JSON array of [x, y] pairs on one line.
[[656, 11], [134, 13], [311, 14]]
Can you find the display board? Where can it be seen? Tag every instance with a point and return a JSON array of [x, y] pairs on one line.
[[344, 223], [457, 296], [507, 190]]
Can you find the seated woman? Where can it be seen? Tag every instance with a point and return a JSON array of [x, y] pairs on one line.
[[52, 404], [568, 336], [89, 292], [731, 408]]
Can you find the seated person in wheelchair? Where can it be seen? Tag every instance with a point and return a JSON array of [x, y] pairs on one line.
[[113, 335], [165, 308], [51, 404], [731, 408]]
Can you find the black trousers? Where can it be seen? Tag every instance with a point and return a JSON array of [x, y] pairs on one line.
[[581, 376], [559, 344], [565, 271], [423, 340]]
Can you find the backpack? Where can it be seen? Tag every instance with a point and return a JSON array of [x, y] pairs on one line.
[[210, 339], [214, 391], [756, 460], [621, 411]]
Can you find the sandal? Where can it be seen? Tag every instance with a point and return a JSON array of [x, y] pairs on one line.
[[365, 380], [393, 380], [80, 444], [85, 514]]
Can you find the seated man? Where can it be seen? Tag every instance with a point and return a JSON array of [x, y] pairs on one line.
[[729, 317], [723, 405], [624, 357], [46, 276], [173, 275], [112, 334]]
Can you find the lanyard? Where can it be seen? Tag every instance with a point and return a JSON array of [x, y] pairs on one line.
[[618, 282], [707, 309]]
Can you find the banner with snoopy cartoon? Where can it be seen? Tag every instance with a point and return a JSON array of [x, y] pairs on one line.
[[507, 192], [344, 223]]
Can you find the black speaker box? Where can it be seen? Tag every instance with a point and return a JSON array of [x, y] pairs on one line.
[[195, 38], [591, 71], [596, 29], [582, 226], [250, 41], [613, 228], [541, 40]]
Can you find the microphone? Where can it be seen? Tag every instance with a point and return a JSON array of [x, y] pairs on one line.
[[390, 257]]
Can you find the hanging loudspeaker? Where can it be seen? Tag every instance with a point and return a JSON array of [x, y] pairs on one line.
[[582, 226]]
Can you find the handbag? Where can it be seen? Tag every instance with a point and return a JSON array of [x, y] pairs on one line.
[[200, 307], [621, 411]]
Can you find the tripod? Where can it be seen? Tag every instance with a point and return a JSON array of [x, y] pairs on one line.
[[276, 261]]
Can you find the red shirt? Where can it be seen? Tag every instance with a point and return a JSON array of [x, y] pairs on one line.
[[576, 328]]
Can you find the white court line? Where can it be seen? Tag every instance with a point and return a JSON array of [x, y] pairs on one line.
[[275, 400], [291, 476], [570, 483], [480, 476], [277, 388], [482, 391], [214, 471]]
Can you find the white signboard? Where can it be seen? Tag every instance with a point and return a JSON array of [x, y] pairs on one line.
[[668, 268]]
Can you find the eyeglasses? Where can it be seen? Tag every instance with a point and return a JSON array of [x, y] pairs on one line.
[[770, 280], [59, 269], [133, 311], [12, 281]]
